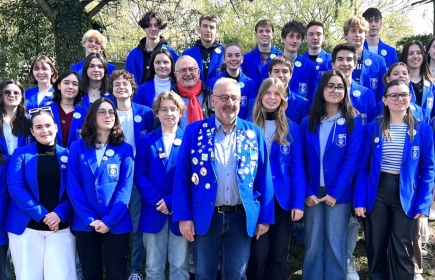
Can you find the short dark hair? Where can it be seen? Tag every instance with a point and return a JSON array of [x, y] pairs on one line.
[[316, 23], [264, 23], [344, 47], [144, 22], [57, 94], [372, 13], [122, 74], [293, 26], [209, 17], [280, 60], [152, 71]]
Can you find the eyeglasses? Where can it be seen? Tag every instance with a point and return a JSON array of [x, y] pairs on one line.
[[170, 109], [331, 88], [103, 113], [10, 92], [395, 96], [224, 98], [183, 71], [41, 109]]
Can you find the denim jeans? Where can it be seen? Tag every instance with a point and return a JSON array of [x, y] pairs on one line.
[[352, 236], [137, 245], [162, 247], [326, 242], [227, 235]]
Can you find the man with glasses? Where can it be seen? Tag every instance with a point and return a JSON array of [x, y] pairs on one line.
[[194, 93], [224, 187]]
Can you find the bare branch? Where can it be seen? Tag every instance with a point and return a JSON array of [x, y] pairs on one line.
[[421, 2], [98, 8], [84, 3], [47, 10]]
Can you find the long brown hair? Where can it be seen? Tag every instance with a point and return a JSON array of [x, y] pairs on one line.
[[259, 112]]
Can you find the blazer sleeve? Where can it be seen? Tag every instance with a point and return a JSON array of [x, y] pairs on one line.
[[19, 191], [297, 170], [4, 195], [303, 129], [360, 193], [123, 191]]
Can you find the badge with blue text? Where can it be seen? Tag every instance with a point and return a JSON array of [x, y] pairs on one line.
[[112, 170], [285, 149], [341, 140], [415, 152]]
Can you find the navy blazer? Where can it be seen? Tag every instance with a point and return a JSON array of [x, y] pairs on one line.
[[101, 192], [4, 203], [216, 59], [340, 161], [24, 190], [253, 66], [75, 128], [31, 95], [196, 202], [154, 178], [416, 173]]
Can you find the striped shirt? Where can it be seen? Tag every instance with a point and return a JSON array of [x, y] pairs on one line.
[[392, 150]]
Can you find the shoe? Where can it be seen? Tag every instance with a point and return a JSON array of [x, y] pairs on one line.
[[431, 215], [135, 276], [351, 271], [418, 277], [424, 249]]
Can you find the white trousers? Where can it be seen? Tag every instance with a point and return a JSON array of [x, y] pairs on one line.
[[43, 255]]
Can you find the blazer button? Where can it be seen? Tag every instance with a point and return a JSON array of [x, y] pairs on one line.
[[96, 184], [100, 201]]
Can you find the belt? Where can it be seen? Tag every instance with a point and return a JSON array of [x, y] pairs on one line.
[[229, 208]]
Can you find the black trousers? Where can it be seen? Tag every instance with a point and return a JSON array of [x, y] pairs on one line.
[[389, 233], [268, 257], [3, 260], [94, 246]]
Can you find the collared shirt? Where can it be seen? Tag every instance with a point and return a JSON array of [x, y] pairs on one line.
[[226, 166]]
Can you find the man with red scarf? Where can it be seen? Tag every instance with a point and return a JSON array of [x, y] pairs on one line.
[[194, 93]]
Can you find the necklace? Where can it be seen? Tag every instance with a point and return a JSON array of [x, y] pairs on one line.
[[123, 110], [66, 104], [97, 87]]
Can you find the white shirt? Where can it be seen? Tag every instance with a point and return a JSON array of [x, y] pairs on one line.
[[127, 124], [11, 140], [168, 140], [42, 94]]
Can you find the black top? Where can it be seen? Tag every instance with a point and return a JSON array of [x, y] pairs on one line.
[[48, 172], [418, 91]]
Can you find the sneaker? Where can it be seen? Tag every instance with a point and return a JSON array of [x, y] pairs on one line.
[[135, 276], [418, 277], [424, 249], [432, 215], [351, 271]]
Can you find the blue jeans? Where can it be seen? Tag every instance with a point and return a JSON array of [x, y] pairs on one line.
[[227, 235], [352, 236], [165, 246], [326, 242], [137, 245]]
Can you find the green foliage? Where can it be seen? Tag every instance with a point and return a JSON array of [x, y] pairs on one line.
[[424, 38]]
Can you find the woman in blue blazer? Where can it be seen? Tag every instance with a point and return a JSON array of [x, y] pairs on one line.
[[99, 186], [4, 202], [332, 136], [37, 221], [268, 257], [161, 77], [68, 113], [42, 74], [156, 159], [394, 185]]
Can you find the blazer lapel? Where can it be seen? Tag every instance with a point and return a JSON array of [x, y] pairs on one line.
[[407, 146], [62, 157], [31, 163], [92, 158], [160, 146], [175, 149]]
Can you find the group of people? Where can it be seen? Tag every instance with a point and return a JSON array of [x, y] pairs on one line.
[[208, 158]]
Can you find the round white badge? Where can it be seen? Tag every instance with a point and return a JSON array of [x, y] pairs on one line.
[[106, 94], [356, 93], [298, 64], [137, 119], [376, 139], [250, 134], [64, 159], [341, 121], [317, 67], [177, 142], [217, 50], [77, 115], [426, 83], [319, 60], [384, 52], [241, 84], [204, 125], [110, 152], [412, 107], [207, 186], [414, 132], [368, 62], [272, 56]]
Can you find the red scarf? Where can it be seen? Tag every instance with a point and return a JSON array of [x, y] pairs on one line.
[[194, 109]]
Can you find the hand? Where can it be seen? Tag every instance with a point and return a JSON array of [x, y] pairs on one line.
[[261, 229], [296, 214], [51, 219], [312, 200], [54, 228], [102, 228], [187, 229], [161, 206], [419, 216], [329, 200], [359, 211], [94, 223]]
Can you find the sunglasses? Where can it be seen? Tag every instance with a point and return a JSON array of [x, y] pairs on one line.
[[10, 92], [41, 109]]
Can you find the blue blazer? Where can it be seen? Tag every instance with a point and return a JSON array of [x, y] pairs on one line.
[[23, 188], [323, 63], [31, 95], [154, 178], [101, 192], [78, 67], [197, 202], [340, 161], [146, 94], [372, 72], [248, 88], [304, 77], [253, 66], [364, 100], [76, 123], [4, 203], [427, 99], [216, 59], [416, 173], [22, 141], [143, 118], [288, 174], [135, 62], [386, 51], [87, 103]]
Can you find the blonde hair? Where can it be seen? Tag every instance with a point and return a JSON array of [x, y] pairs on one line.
[[356, 22], [169, 95], [95, 34], [259, 112]]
